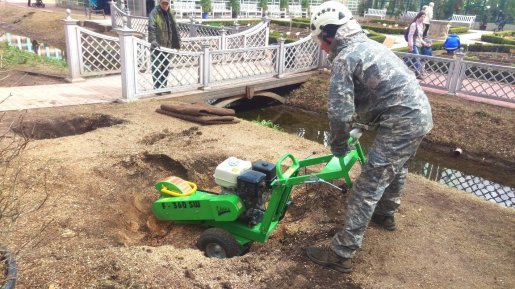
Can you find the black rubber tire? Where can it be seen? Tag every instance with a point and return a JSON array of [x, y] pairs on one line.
[[218, 243], [245, 248]]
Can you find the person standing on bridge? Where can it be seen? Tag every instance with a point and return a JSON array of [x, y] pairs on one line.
[[162, 31], [371, 81]]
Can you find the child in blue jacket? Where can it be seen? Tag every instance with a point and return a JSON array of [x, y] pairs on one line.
[[452, 43]]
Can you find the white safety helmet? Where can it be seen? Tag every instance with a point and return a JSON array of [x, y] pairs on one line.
[[330, 12]]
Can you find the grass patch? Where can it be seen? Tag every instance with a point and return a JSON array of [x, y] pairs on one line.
[[11, 56]]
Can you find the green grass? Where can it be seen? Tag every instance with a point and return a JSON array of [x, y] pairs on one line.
[[10, 55]]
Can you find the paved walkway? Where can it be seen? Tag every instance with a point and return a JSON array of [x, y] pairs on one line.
[[94, 90]]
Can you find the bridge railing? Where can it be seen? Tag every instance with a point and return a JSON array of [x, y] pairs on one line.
[[466, 77], [146, 71], [186, 30], [92, 53]]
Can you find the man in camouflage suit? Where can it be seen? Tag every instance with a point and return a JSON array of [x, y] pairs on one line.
[[371, 81]]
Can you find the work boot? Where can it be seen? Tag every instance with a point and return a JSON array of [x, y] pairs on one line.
[[326, 257], [387, 222]]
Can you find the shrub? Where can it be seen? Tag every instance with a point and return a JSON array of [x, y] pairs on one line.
[[458, 30], [376, 36], [13, 55], [302, 20], [287, 23], [273, 38], [479, 47], [389, 22], [385, 30], [499, 38]]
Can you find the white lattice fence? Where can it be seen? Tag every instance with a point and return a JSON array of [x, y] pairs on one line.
[[436, 71], [165, 69], [138, 23], [242, 64], [301, 55], [195, 44], [256, 36], [98, 53], [486, 80]]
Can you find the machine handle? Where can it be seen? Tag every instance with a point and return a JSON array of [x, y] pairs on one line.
[[290, 170]]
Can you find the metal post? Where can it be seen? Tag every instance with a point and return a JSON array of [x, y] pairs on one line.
[[236, 25], [266, 19], [456, 76], [321, 58], [129, 18], [71, 36], [193, 28], [128, 65], [112, 5], [206, 64], [223, 38], [281, 58]]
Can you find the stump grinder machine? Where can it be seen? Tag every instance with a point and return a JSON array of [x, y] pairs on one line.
[[254, 198]]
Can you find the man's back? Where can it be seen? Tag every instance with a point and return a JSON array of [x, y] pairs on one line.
[[385, 90]]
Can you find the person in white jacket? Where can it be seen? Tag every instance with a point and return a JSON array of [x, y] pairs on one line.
[[429, 17]]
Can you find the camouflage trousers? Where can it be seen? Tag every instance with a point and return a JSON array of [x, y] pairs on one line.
[[377, 189]]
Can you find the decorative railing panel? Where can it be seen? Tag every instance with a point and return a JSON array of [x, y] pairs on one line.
[[301, 55], [486, 189], [195, 44], [99, 54], [165, 69], [242, 64], [487, 80], [435, 71]]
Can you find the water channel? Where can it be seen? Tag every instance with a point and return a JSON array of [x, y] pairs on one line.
[[483, 180]]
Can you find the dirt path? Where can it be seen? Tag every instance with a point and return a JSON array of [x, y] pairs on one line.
[[93, 230]]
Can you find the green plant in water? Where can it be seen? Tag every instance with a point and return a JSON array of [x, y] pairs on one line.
[[267, 123]]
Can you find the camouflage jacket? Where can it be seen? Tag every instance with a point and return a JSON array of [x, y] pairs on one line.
[[371, 81], [165, 35]]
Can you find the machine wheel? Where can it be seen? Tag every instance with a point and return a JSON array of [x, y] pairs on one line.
[[218, 243], [245, 248]]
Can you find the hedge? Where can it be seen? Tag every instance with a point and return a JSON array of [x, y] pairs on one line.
[[458, 30], [376, 36], [391, 22], [273, 38], [295, 24], [385, 30], [303, 20], [499, 37]]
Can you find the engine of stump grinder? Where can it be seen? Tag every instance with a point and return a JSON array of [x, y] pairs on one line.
[[245, 189]]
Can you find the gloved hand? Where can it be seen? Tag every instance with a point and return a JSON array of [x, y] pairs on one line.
[[339, 138], [340, 149], [154, 45]]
